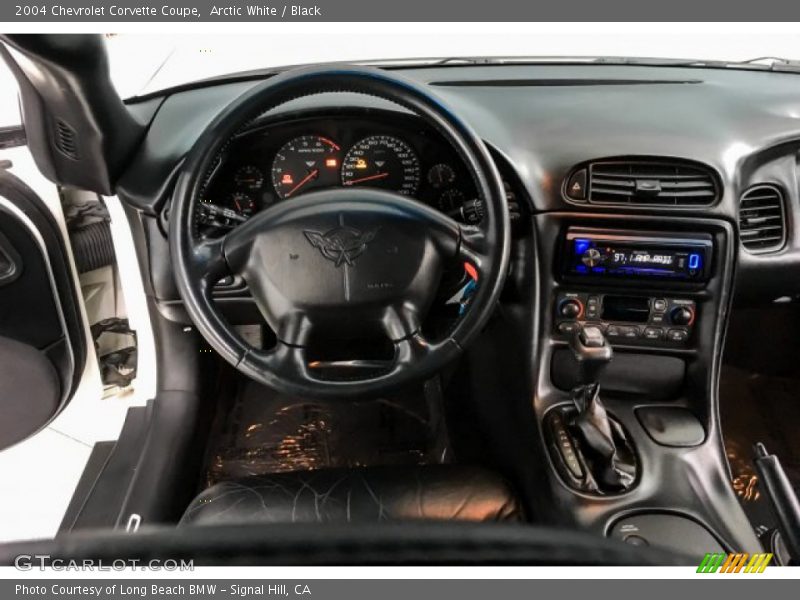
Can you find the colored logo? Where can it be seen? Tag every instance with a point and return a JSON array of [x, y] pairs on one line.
[[741, 562], [342, 245]]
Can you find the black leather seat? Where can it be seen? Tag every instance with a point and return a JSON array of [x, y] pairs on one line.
[[358, 495]]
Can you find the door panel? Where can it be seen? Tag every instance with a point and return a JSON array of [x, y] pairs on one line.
[[42, 340]]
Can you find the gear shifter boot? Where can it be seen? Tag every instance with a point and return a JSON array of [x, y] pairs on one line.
[[602, 442], [593, 449]]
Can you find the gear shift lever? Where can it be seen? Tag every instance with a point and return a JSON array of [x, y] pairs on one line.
[[592, 352], [600, 439]]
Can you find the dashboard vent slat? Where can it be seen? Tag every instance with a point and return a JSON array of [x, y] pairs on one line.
[[651, 183], [66, 140], [762, 220]]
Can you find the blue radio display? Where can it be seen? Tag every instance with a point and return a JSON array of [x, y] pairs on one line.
[[639, 257]]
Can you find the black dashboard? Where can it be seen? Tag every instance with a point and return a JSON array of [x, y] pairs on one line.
[[541, 123]]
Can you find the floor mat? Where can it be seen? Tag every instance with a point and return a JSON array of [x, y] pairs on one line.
[[266, 432], [759, 408]]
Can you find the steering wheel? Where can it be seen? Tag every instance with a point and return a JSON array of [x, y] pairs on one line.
[[344, 260]]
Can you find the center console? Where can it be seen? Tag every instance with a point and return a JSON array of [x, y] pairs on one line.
[[607, 258], [637, 441], [657, 321]]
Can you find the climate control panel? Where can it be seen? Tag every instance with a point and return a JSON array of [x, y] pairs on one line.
[[637, 320]]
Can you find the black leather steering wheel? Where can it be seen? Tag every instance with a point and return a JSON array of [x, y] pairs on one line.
[[338, 260]]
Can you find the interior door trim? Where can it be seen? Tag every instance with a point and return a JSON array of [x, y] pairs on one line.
[[9, 207]]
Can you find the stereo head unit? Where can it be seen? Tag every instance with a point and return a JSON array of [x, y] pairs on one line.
[[605, 253]]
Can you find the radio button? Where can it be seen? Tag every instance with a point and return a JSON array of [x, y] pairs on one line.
[[653, 333], [677, 335]]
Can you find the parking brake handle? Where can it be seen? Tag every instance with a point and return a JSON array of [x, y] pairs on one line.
[[782, 499]]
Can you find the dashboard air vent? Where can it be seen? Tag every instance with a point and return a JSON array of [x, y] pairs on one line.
[[660, 183], [66, 140], [762, 222]]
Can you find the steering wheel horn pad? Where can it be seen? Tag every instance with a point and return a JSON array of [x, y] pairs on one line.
[[342, 260], [338, 261]]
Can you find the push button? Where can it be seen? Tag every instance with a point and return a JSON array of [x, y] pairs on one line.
[[576, 186], [659, 305], [677, 335], [653, 333], [592, 307], [635, 540], [657, 319], [630, 333], [567, 327], [614, 331]]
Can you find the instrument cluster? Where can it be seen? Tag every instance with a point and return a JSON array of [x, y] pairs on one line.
[[279, 162]]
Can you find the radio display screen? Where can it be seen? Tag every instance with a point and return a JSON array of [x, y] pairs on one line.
[[638, 256]]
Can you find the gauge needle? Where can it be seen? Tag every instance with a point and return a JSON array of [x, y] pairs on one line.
[[368, 178], [303, 181]]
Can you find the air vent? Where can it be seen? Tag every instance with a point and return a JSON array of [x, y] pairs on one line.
[[647, 183], [762, 222], [66, 140]]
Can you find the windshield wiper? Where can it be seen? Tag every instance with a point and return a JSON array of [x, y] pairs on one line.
[[466, 60], [767, 63], [774, 63]]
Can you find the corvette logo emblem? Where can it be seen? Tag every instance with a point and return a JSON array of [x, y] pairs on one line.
[[342, 245]]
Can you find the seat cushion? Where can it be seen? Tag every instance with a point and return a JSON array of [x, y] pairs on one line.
[[440, 492]]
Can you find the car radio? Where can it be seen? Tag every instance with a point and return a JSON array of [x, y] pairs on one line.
[[624, 319], [603, 254]]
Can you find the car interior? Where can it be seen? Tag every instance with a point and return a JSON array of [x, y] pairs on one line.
[[509, 312]]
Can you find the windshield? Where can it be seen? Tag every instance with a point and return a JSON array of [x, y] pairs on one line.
[[165, 61]]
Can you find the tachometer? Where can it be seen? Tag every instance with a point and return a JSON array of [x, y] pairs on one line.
[[305, 163], [382, 161]]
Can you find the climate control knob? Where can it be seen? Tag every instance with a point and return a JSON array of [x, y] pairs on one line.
[[570, 308], [681, 315]]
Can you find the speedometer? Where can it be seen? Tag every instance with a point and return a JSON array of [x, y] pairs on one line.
[[382, 161], [305, 163]]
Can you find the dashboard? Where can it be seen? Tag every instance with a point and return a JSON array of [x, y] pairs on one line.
[[273, 163], [542, 124]]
